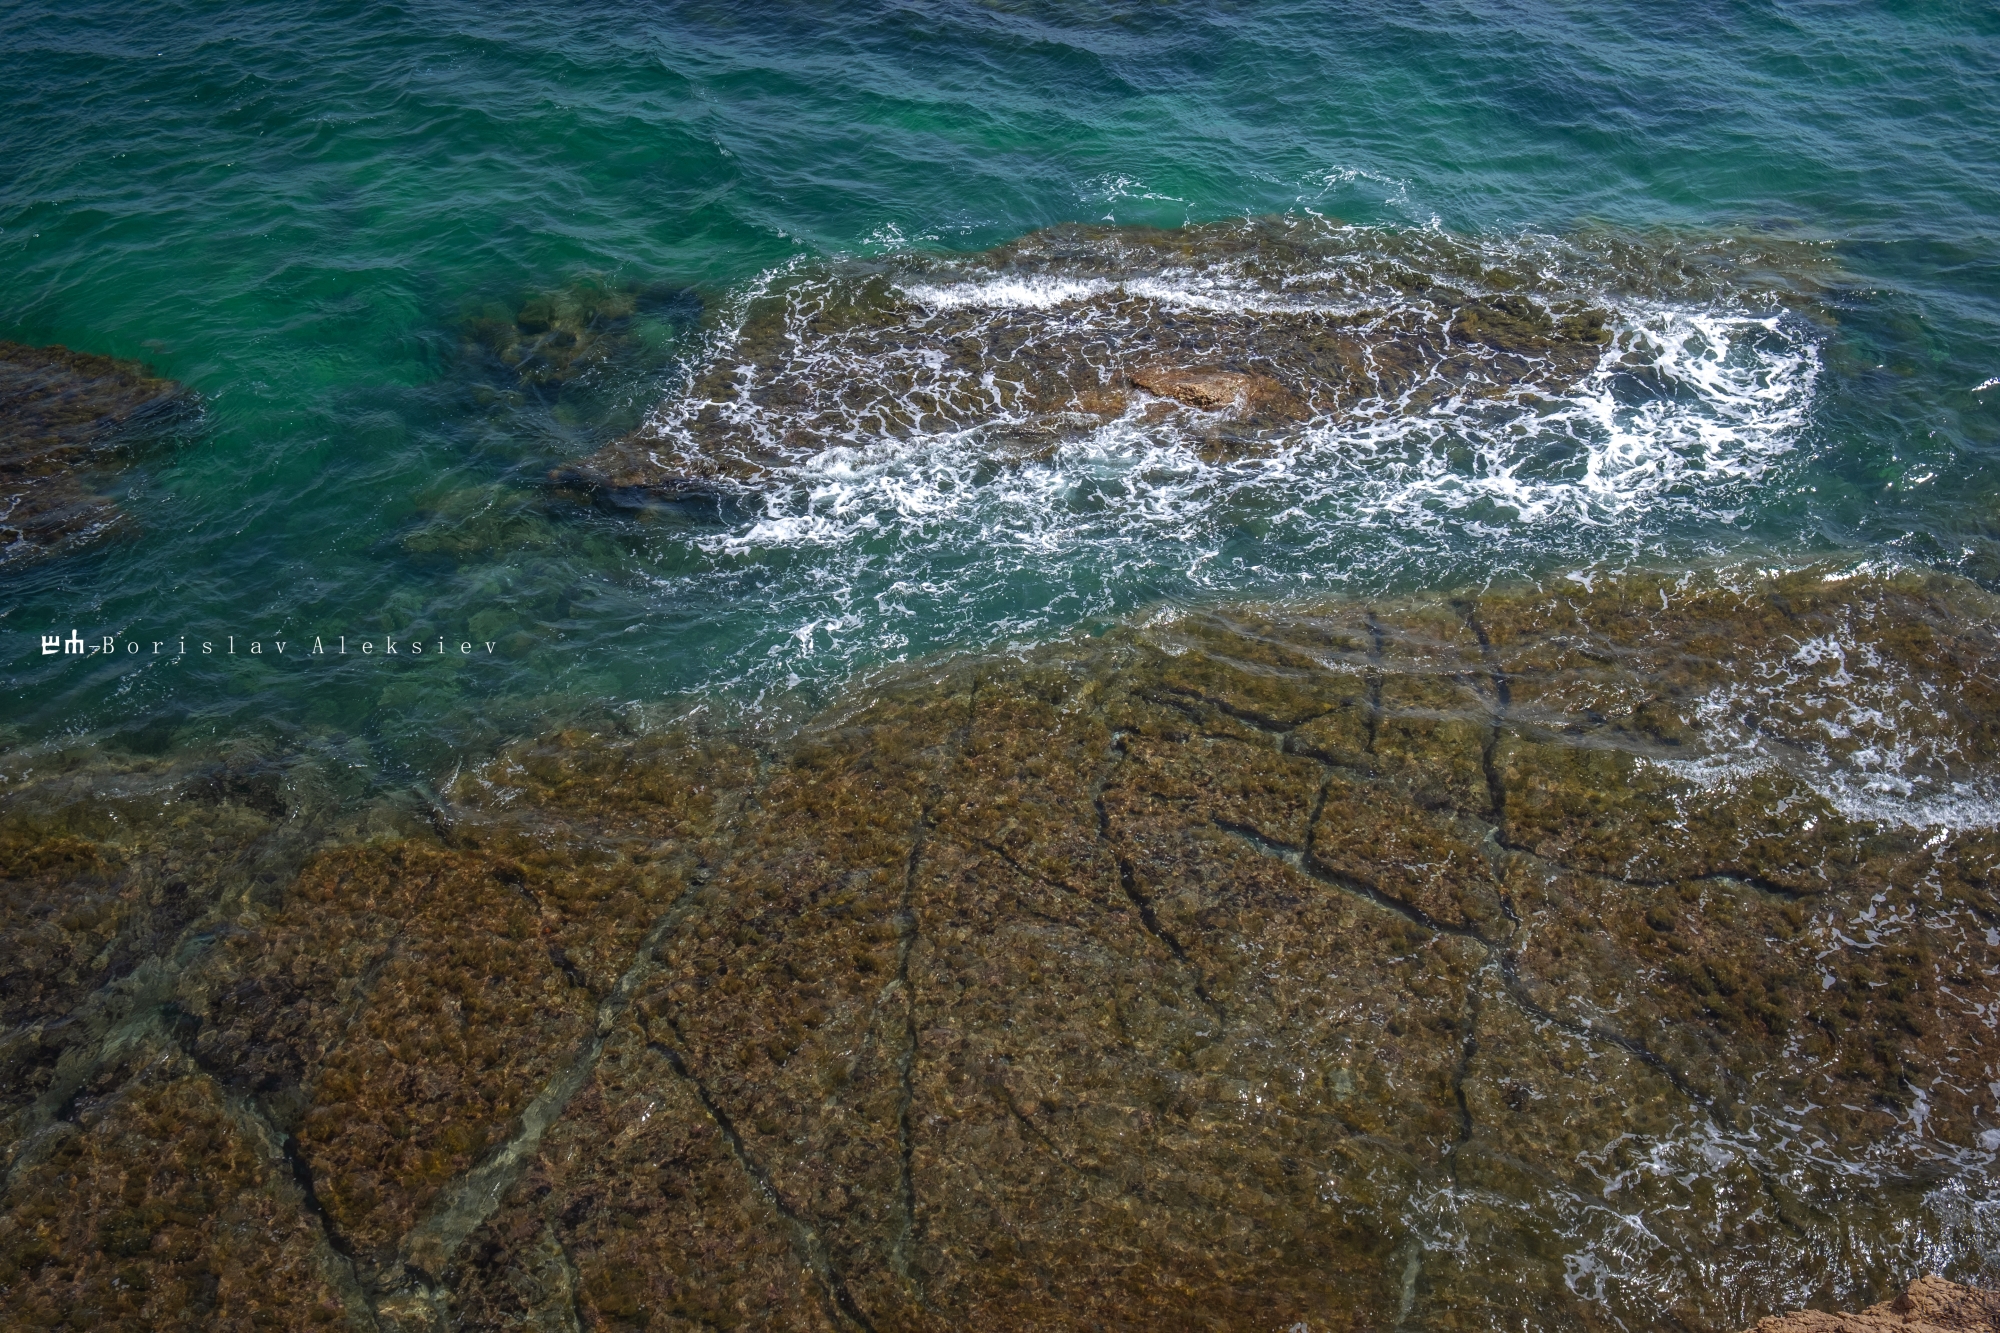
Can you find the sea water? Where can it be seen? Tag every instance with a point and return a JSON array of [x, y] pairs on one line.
[[301, 212]]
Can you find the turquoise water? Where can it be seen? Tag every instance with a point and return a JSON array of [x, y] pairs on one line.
[[302, 211]]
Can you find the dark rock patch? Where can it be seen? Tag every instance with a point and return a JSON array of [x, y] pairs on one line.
[[65, 418]]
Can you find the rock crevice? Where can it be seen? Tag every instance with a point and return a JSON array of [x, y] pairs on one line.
[[1340, 965]]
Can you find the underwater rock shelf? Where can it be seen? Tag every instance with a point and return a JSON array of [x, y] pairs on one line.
[[1621, 952], [66, 417]]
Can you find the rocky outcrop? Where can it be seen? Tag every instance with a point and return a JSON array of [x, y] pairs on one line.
[[65, 418], [1928, 1305], [1615, 953], [1231, 338], [1209, 390]]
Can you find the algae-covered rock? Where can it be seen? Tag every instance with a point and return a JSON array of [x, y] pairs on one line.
[[1620, 952], [552, 337], [65, 416], [161, 1204], [1232, 337], [1226, 341]]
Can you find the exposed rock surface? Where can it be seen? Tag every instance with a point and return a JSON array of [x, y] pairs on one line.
[[64, 415], [1231, 337], [1550, 959], [1214, 390], [1929, 1305]]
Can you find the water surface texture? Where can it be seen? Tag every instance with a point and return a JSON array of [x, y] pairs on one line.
[[305, 213]]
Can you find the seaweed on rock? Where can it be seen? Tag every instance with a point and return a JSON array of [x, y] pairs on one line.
[[1230, 339], [1348, 965]]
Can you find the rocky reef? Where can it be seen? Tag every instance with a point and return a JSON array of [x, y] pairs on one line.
[[65, 416], [1616, 953], [1929, 1305], [1230, 337]]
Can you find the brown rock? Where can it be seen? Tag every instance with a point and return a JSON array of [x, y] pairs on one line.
[[1450, 963], [1211, 390], [1928, 1305], [63, 416], [1262, 326], [159, 1203]]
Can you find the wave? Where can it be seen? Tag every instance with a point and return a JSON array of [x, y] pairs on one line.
[[1092, 417], [1405, 373]]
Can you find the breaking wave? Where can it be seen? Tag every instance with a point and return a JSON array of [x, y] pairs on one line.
[[956, 448]]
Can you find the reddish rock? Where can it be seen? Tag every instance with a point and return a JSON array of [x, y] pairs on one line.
[[1928, 1305], [1211, 390]]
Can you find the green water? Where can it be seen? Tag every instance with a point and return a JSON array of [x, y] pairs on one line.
[[296, 210]]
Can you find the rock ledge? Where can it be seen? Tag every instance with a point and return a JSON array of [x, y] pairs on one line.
[[1928, 1305]]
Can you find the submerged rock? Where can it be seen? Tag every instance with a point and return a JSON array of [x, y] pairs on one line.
[[63, 416], [631, 480], [1928, 1305], [1619, 953], [1227, 339], [552, 337]]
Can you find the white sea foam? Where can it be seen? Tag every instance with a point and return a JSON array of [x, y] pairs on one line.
[[1672, 1205], [1005, 293], [906, 453], [1736, 392], [1871, 735]]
